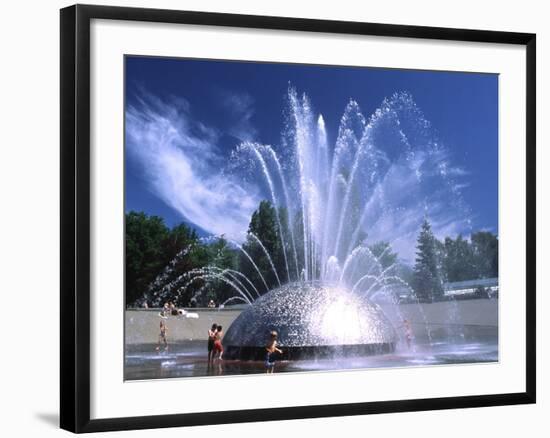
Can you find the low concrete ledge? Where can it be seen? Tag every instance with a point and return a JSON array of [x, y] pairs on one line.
[[477, 318], [142, 325]]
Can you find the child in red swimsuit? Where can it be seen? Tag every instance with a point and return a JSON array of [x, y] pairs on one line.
[[218, 347]]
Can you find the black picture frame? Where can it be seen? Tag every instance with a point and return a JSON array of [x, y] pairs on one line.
[[75, 217]]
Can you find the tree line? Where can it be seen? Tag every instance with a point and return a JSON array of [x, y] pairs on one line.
[[151, 246], [451, 260]]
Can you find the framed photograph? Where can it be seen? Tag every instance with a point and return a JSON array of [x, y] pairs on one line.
[[304, 218]]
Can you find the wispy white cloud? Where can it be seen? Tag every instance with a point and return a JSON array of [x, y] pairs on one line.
[[458, 171], [240, 109], [407, 198], [183, 165]]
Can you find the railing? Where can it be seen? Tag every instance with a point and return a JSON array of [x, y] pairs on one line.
[[471, 284]]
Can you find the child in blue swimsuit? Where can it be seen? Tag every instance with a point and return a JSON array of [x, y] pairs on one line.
[[271, 348]]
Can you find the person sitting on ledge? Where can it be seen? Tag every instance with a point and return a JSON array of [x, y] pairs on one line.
[[173, 310], [165, 310]]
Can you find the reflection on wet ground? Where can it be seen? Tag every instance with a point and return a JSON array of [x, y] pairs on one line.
[[189, 359]]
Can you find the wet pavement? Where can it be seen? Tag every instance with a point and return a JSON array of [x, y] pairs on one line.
[[189, 359]]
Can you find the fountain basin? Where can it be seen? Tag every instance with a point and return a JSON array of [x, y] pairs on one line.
[[312, 320]]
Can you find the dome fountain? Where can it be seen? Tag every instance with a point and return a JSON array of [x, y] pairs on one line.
[[381, 178], [312, 320]]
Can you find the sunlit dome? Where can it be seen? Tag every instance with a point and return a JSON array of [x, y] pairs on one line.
[[310, 319]]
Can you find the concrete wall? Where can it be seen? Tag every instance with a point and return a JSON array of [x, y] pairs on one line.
[[142, 326], [473, 318]]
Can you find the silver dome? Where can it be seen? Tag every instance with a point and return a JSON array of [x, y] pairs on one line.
[[311, 319]]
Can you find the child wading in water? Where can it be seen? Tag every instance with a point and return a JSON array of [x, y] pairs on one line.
[[162, 335], [211, 340], [408, 332], [271, 348], [218, 347]]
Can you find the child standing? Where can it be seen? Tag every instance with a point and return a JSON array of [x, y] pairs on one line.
[[218, 347], [162, 335], [211, 340], [271, 348], [408, 332]]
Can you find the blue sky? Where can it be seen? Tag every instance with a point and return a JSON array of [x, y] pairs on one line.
[[214, 105]]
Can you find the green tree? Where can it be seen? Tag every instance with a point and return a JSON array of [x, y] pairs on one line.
[[459, 263], [440, 257], [145, 252], [281, 266], [384, 253], [485, 254], [222, 256], [179, 237], [151, 246], [426, 277], [263, 225]]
